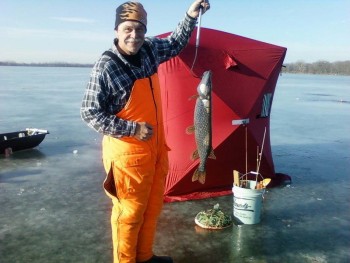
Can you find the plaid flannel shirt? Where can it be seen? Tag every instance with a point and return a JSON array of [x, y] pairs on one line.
[[109, 87]]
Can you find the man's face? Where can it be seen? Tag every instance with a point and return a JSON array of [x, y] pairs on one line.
[[131, 35]]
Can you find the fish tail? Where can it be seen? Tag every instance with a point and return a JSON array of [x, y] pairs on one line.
[[195, 176], [199, 176]]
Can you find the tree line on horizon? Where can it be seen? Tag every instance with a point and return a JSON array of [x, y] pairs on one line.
[[48, 64], [299, 67], [318, 67]]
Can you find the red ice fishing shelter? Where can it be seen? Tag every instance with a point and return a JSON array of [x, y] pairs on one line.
[[244, 76]]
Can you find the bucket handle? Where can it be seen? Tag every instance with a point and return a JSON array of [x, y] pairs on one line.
[[255, 173], [256, 176]]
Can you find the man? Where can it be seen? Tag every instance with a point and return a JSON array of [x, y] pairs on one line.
[[122, 101]]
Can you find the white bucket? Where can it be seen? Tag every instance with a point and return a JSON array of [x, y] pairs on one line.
[[247, 203]]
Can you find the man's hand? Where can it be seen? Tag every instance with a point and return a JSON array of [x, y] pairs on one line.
[[193, 11], [144, 131]]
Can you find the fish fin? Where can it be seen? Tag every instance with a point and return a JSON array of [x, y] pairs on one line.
[[193, 97], [211, 154], [199, 176], [190, 129], [195, 155]]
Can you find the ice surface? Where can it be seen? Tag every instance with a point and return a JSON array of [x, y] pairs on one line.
[[53, 208]]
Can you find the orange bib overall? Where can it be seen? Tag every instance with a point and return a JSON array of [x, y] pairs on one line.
[[136, 172]]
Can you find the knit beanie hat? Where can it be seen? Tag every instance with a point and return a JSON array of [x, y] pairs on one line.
[[131, 11]]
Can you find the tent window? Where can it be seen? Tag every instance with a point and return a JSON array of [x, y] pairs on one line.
[[266, 105]]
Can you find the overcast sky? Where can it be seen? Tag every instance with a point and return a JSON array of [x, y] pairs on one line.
[[78, 31]]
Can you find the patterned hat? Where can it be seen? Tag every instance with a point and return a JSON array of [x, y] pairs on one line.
[[131, 11]]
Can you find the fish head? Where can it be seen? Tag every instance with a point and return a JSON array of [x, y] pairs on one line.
[[203, 90], [204, 87]]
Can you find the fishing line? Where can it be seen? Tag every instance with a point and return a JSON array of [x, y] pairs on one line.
[[197, 38]]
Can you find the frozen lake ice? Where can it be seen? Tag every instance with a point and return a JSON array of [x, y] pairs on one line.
[[53, 208]]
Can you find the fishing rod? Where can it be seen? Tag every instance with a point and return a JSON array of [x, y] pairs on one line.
[[260, 156]]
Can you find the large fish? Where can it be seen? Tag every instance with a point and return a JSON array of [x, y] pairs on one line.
[[202, 127]]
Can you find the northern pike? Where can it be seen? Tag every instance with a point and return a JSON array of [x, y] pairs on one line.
[[202, 127]]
